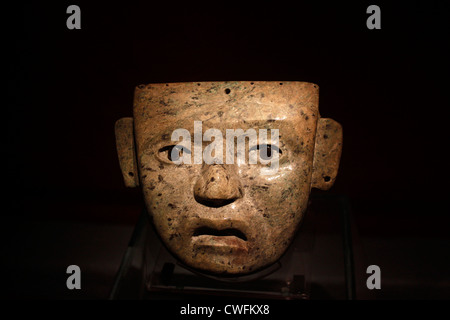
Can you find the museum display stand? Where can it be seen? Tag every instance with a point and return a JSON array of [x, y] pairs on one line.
[[317, 265]]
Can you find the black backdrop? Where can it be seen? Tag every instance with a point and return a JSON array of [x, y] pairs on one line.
[[387, 87]]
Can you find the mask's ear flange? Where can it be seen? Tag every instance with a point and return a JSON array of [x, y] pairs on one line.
[[327, 153], [126, 151]]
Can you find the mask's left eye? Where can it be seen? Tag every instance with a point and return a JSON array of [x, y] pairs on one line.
[[269, 151], [172, 153]]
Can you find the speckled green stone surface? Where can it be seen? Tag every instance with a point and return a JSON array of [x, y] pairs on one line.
[[228, 218]]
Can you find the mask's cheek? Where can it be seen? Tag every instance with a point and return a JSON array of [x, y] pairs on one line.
[[281, 206], [167, 203]]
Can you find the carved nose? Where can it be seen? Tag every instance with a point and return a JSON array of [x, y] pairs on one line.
[[217, 186]]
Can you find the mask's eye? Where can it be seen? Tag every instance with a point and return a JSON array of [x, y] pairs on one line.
[[267, 151], [172, 153]]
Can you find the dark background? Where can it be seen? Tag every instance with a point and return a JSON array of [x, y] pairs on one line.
[[65, 198]]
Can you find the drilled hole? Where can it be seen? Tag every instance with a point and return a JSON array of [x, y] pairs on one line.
[[131, 174], [326, 178], [227, 91]]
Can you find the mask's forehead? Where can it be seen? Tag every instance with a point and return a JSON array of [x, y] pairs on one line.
[[161, 108]]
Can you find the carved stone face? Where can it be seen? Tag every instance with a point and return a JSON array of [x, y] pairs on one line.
[[228, 218]]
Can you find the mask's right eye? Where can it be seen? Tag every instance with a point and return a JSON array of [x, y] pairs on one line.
[[173, 153]]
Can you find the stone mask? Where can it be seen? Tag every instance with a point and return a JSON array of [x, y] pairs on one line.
[[228, 218]]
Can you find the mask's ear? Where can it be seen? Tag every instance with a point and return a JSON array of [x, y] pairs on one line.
[[126, 151], [327, 153]]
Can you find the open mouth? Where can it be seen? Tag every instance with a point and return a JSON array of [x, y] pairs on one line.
[[222, 241], [219, 233]]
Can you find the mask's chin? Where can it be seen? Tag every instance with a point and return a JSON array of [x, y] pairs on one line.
[[227, 256], [226, 241], [235, 277]]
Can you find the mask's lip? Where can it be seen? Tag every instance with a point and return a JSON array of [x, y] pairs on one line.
[[229, 232], [220, 234], [238, 228], [221, 244]]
